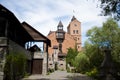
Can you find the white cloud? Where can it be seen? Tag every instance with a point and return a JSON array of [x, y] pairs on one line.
[[44, 15]]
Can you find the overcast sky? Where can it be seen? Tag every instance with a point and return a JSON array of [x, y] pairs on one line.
[[44, 15]]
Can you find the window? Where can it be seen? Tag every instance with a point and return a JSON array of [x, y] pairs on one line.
[[76, 31], [73, 31], [60, 27]]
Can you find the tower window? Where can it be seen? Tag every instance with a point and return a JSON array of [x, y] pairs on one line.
[[60, 27], [73, 31], [77, 31]]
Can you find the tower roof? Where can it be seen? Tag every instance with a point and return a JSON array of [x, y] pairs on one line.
[[73, 18], [60, 23]]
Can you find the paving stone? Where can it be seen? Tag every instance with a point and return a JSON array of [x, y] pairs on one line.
[[59, 75]]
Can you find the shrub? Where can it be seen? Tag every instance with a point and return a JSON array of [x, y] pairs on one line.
[[50, 70], [68, 69], [82, 63], [15, 66], [92, 73]]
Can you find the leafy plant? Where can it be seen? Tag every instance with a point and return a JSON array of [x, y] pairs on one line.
[[70, 58], [92, 73], [82, 63], [100, 37], [15, 66]]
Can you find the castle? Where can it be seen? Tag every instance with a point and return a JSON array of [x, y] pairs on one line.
[[72, 39]]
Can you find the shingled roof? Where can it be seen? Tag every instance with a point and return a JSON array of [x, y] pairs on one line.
[[37, 36], [11, 28]]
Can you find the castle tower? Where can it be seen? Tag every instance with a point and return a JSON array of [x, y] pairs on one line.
[[74, 29]]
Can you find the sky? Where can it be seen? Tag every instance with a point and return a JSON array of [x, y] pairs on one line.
[[44, 15]]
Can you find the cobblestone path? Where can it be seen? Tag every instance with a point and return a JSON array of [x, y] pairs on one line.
[[59, 75]]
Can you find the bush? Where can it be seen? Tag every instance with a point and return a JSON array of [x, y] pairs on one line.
[[81, 63], [15, 66], [51, 70], [68, 69], [92, 73]]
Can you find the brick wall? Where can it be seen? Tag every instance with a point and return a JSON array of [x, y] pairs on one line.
[[67, 43]]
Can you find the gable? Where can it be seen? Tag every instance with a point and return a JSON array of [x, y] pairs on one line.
[[37, 36]]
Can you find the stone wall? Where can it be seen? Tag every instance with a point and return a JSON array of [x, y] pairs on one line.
[[3, 47], [10, 47], [14, 47], [44, 71], [43, 56]]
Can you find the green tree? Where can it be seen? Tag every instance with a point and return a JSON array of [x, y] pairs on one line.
[[111, 7], [71, 54], [94, 54], [106, 36], [82, 64]]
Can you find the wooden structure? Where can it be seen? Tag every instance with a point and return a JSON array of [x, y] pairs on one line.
[[37, 63], [14, 36], [11, 28]]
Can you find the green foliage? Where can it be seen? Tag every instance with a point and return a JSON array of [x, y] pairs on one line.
[[51, 70], [89, 60], [68, 69], [82, 63], [70, 58], [94, 54], [106, 36], [92, 73], [107, 33], [48, 73], [110, 7], [15, 66], [27, 75]]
